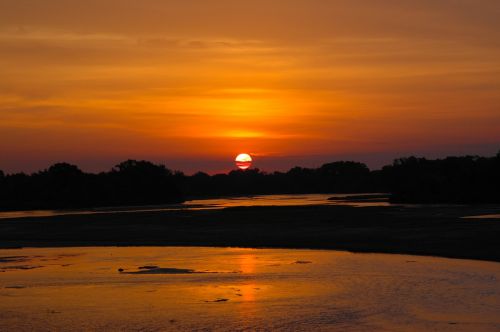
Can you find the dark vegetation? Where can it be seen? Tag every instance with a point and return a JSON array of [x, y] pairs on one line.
[[468, 179], [66, 186], [336, 177]]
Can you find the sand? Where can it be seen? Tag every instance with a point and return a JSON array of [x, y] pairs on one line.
[[420, 230]]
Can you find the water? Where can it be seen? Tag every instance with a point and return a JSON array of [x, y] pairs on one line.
[[288, 200], [217, 203], [231, 289], [484, 216]]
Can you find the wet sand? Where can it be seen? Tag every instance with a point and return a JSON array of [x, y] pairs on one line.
[[82, 289], [420, 230]]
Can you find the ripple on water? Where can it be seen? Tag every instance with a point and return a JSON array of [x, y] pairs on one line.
[[163, 288]]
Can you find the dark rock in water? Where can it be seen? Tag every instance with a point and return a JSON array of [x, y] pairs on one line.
[[162, 270], [120, 270], [303, 262], [219, 300], [10, 259], [148, 267], [361, 198], [15, 287], [21, 267], [53, 312]]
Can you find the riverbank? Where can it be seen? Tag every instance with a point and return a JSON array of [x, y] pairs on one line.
[[420, 230]]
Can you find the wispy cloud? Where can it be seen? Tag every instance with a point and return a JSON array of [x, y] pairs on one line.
[[308, 77]]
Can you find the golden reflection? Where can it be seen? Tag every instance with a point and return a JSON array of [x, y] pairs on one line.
[[248, 308], [81, 289], [247, 263], [248, 292]]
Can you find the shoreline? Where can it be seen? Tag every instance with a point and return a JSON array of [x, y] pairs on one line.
[[425, 231], [139, 245]]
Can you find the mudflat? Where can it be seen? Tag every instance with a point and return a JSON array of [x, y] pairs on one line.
[[421, 230]]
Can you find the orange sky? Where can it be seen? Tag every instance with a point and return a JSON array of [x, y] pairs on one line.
[[192, 83]]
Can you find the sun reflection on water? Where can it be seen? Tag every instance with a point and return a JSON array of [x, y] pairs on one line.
[[241, 289]]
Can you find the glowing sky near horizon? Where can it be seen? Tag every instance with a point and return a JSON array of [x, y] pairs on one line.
[[193, 83]]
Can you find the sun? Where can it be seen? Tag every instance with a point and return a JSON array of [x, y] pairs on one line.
[[243, 161]]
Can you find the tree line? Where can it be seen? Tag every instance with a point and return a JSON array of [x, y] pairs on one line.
[[468, 179]]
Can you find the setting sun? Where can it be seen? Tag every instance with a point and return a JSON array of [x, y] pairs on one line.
[[243, 161]]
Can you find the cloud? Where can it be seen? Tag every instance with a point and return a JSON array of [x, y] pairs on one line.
[[173, 77]]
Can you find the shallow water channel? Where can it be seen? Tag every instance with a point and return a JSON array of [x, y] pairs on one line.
[[233, 289]]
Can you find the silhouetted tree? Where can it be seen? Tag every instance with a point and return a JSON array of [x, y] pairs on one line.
[[468, 179], [60, 186], [345, 176], [15, 191], [142, 182], [65, 186], [199, 183]]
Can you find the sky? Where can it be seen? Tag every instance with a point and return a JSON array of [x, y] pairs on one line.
[[193, 83]]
